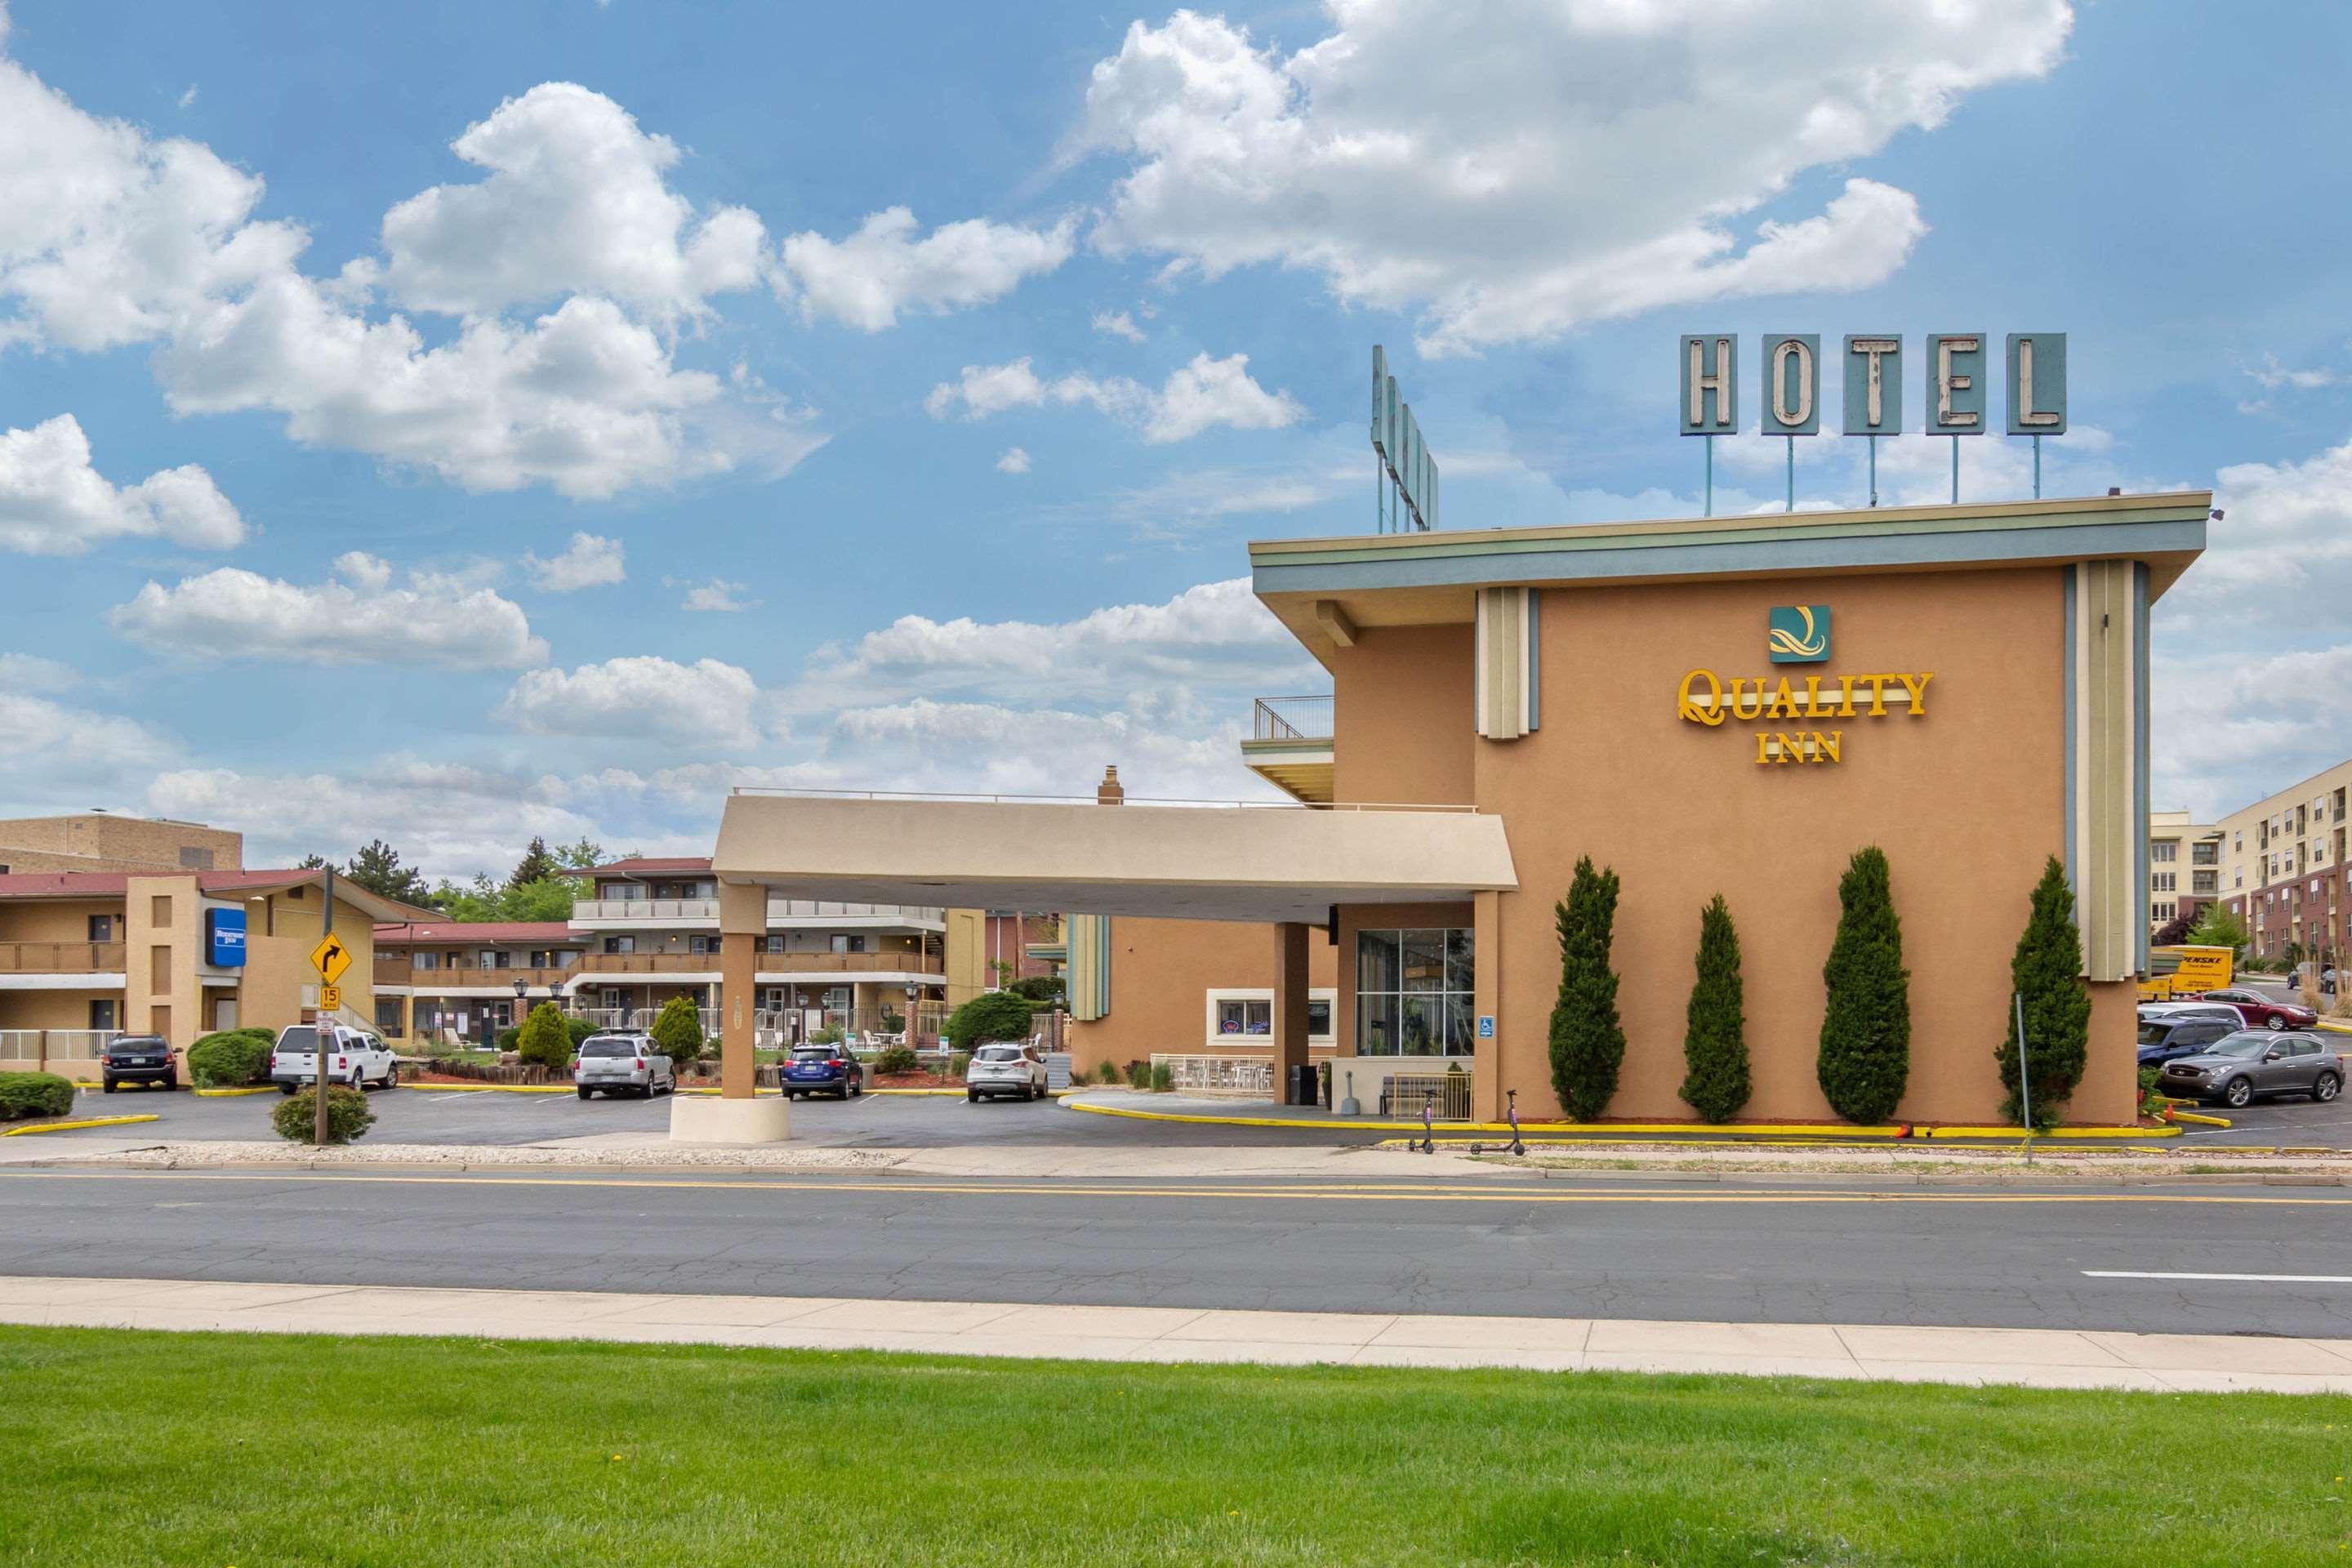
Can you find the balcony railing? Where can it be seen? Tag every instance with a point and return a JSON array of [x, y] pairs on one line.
[[779, 910], [646, 910], [60, 958], [601, 964], [1292, 719], [402, 972]]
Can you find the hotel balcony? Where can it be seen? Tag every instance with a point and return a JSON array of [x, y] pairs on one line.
[[599, 966], [467, 980], [62, 965], [1290, 746], [783, 914]]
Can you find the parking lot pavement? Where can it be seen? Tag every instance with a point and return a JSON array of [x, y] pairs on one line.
[[2293, 1123], [425, 1114]]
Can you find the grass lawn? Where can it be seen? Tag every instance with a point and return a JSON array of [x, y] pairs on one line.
[[206, 1449]]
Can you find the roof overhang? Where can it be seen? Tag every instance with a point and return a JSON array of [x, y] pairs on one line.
[[1415, 579], [1225, 863]]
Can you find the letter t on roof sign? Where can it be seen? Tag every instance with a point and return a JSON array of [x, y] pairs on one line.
[[1873, 384]]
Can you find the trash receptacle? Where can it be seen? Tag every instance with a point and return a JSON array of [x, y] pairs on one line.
[[1302, 1085]]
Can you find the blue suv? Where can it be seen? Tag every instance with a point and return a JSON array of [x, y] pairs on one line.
[[822, 1069]]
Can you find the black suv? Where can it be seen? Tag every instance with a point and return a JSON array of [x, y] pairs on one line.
[[138, 1058]]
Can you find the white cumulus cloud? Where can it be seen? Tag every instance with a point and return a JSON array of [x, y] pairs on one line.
[[1517, 167], [1118, 325], [356, 619], [721, 595], [54, 501], [1015, 461], [590, 560], [1204, 394], [884, 268], [706, 703]]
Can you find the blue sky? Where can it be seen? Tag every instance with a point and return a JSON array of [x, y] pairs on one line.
[[533, 417]]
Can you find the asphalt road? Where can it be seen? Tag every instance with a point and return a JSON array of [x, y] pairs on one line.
[[1633, 1247]]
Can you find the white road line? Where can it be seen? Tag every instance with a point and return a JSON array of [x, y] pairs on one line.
[[2252, 1278]]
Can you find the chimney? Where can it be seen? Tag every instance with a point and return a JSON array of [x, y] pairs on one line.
[[1110, 792]]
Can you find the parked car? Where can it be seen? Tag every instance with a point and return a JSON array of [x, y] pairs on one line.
[[822, 1069], [2221, 1010], [614, 1060], [138, 1058], [2183, 1033], [354, 1057], [2252, 1063], [1005, 1070], [2261, 1013]]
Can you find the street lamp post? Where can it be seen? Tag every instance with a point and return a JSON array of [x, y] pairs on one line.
[[521, 990]]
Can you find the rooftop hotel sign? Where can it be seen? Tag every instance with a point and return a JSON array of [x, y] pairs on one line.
[[1800, 634], [1953, 384]]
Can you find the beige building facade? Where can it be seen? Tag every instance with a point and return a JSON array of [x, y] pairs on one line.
[[105, 841], [2286, 868]]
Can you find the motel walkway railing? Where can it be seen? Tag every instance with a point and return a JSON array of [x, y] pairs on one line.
[[1201, 1073], [1292, 719]]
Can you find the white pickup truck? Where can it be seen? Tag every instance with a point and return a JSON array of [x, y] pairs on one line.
[[354, 1057]]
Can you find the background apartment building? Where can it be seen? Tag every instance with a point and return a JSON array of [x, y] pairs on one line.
[[2184, 866], [447, 980], [2284, 868], [104, 841]]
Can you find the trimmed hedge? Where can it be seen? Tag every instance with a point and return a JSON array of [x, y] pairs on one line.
[[231, 1058], [348, 1116], [896, 1058], [2046, 970], [1588, 1042], [677, 1030], [30, 1094], [991, 1016], [543, 1040], [1865, 1051], [1714, 1036]]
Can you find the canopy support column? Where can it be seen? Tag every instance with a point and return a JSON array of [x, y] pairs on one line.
[[1290, 984]]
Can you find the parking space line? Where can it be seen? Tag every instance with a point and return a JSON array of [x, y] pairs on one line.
[[2231, 1278]]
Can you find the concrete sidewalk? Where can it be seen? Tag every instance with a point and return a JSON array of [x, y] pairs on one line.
[[2038, 1358]]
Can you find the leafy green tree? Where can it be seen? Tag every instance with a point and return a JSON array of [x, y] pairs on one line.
[[2046, 971], [377, 868], [678, 1029], [1715, 1031], [1588, 1043], [580, 857], [311, 863], [2217, 927], [544, 1041], [2174, 931], [1865, 1050], [991, 1016], [549, 898], [536, 863]]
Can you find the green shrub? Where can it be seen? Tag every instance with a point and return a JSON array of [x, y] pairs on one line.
[[1865, 1050], [1163, 1078], [24, 1094], [579, 1029], [543, 1040], [1138, 1074], [1038, 987], [1588, 1043], [677, 1030], [991, 1016], [893, 1022], [348, 1116], [896, 1058], [508, 1039], [831, 1035], [1714, 1027], [2151, 1098], [230, 1058], [2046, 970], [960, 1064]]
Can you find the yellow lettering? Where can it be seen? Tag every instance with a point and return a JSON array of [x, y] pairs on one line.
[[1916, 686], [1764, 747], [1783, 704], [1878, 694], [1825, 745], [1846, 696], [1813, 696], [1741, 709], [1712, 713]]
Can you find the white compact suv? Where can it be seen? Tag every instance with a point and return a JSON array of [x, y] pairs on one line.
[[617, 1061], [354, 1057], [1004, 1067]]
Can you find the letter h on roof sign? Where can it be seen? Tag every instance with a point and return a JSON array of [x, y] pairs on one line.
[[1710, 371]]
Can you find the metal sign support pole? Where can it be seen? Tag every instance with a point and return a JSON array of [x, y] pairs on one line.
[[1710, 474], [2037, 467], [1874, 468], [321, 1031], [1792, 473], [1955, 470], [2025, 1089]]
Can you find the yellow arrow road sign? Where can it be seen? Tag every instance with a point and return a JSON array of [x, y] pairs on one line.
[[330, 958]]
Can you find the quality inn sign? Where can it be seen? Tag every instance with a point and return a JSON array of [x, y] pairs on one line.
[[1800, 634]]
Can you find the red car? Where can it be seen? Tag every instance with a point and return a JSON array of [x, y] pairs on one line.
[[2261, 1012]]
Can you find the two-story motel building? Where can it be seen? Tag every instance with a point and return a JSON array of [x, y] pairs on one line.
[[1723, 705]]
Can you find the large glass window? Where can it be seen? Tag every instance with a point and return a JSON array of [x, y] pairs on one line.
[[1415, 993]]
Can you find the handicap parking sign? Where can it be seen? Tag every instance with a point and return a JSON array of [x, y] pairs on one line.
[[1486, 1025]]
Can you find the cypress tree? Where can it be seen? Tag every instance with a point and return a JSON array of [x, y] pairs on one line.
[[1587, 1042], [1715, 1037], [1865, 1054], [2047, 971]]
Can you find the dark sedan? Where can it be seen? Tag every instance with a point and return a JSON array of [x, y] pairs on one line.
[[822, 1069], [2253, 1063], [138, 1058], [2183, 1034]]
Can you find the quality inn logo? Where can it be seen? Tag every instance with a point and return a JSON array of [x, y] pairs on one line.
[[1798, 633]]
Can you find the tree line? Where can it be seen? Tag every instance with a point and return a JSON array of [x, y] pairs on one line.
[[536, 889], [1864, 1060]]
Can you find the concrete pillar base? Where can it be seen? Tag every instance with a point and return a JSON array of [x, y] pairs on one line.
[[714, 1119]]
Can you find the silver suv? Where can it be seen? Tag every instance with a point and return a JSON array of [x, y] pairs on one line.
[[1005, 1067], [617, 1061]]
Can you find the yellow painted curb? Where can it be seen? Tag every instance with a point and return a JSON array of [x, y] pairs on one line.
[[2202, 1120], [227, 1093], [1759, 1131], [70, 1126], [491, 1087]]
